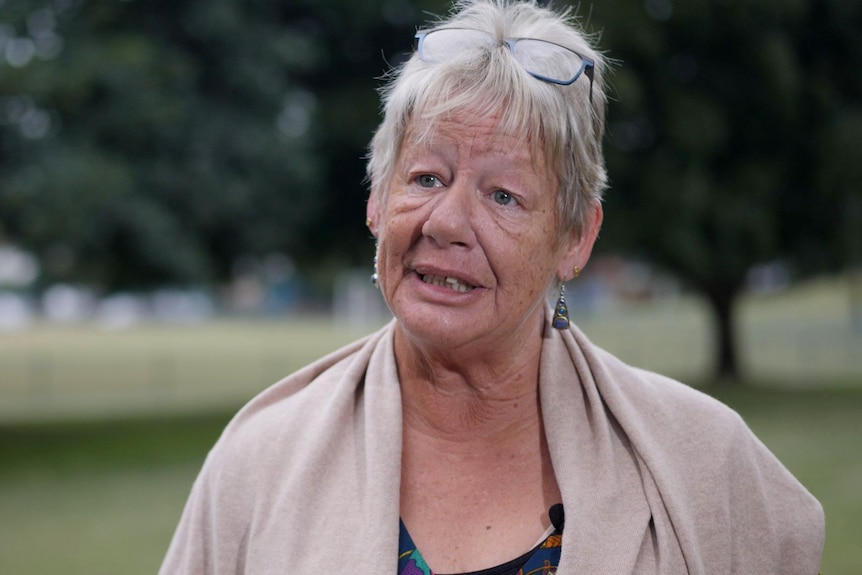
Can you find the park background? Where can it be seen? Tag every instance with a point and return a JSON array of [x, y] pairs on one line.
[[181, 224]]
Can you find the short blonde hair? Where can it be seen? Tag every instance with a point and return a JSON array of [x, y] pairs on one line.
[[568, 121]]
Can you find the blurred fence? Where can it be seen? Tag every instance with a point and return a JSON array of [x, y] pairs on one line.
[[54, 371], [793, 350], [61, 371]]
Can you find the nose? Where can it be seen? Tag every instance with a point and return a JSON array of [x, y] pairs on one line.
[[449, 221]]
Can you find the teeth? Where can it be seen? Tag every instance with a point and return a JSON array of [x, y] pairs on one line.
[[450, 282]]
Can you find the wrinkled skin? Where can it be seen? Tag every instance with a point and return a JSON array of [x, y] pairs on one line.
[[470, 204]]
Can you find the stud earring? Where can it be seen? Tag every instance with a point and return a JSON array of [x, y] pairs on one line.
[[576, 272], [561, 311], [374, 279]]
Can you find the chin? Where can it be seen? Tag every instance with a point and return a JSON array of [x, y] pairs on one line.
[[439, 328]]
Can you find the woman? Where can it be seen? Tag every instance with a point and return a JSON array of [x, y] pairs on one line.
[[440, 443]]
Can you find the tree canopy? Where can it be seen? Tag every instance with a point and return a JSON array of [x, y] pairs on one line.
[[731, 141], [161, 141]]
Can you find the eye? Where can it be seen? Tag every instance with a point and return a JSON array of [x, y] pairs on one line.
[[428, 181], [504, 198]]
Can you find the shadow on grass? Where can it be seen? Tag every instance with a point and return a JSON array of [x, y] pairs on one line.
[[90, 446]]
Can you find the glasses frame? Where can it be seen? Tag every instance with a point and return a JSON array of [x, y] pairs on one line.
[[587, 65]]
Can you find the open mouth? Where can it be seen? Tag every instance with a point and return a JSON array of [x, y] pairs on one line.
[[447, 282]]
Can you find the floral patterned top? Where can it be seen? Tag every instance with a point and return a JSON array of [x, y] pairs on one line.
[[541, 560]]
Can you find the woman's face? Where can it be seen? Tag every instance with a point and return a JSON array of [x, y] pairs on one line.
[[467, 235]]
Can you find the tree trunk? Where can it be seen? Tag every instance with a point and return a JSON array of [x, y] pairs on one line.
[[722, 302]]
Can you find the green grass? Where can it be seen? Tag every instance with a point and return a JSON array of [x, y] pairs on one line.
[[97, 498]]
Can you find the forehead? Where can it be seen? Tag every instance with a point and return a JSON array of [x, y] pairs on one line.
[[470, 134]]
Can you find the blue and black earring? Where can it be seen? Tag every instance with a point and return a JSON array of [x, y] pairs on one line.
[[374, 278], [561, 310]]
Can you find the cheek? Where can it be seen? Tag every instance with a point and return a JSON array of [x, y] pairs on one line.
[[530, 265], [401, 226], [385, 275], [384, 258], [390, 252]]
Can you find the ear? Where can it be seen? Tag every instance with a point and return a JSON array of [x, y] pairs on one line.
[[372, 210], [577, 251]]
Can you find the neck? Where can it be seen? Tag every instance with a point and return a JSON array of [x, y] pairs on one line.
[[476, 472], [471, 397]]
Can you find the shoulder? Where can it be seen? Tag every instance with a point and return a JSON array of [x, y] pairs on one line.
[[668, 422], [287, 424], [718, 481], [663, 403], [295, 405], [678, 426], [263, 473]]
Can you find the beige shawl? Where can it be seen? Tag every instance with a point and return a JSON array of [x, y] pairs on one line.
[[655, 476]]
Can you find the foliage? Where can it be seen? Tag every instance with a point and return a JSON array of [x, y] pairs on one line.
[[730, 140], [161, 141]]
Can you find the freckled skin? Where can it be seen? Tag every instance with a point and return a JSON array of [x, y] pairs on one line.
[[473, 203]]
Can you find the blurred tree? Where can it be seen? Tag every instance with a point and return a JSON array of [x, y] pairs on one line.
[[732, 139], [159, 141]]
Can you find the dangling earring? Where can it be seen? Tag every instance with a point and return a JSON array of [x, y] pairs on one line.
[[374, 280], [561, 311]]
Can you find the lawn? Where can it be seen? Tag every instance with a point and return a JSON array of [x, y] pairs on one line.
[[96, 498]]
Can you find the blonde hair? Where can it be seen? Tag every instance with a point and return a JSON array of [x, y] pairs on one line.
[[566, 121]]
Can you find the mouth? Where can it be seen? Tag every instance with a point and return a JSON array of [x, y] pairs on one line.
[[447, 282]]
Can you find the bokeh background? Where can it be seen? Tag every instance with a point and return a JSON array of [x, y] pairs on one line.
[[182, 201]]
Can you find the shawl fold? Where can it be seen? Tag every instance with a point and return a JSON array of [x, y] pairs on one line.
[[655, 476]]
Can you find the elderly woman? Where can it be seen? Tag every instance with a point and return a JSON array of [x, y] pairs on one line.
[[479, 432]]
